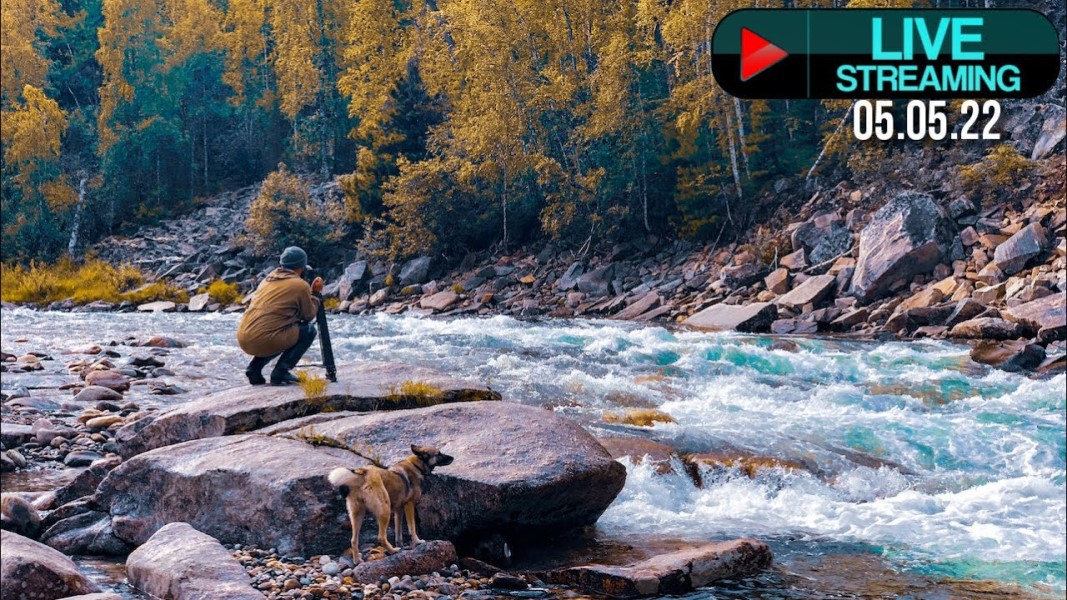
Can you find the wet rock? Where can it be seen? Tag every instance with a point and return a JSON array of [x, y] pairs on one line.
[[416, 271], [1048, 316], [1014, 254], [812, 291], [794, 326], [440, 301], [162, 341], [146, 360], [181, 563], [98, 393], [110, 379], [84, 531], [755, 317], [29, 569], [668, 574], [103, 422], [98, 596], [158, 306], [363, 386], [14, 434], [349, 284], [432, 556], [18, 515], [905, 237], [986, 327], [81, 458], [639, 450], [518, 470], [86, 482], [1015, 355]]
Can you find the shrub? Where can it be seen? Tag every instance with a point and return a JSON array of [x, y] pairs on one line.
[[423, 393], [1002, 167], [284, 214], [157, 290], [331, 303], [224, 293]]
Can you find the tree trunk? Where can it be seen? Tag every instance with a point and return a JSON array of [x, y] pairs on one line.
[[822, 152], [75, 228], [741, 135]]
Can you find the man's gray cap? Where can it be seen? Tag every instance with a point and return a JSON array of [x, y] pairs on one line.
[[294, 258]]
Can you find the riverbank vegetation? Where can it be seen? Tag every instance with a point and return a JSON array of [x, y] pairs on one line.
[[81, 283], [454, 125]]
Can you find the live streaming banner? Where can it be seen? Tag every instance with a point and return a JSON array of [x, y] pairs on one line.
[[869, 53]]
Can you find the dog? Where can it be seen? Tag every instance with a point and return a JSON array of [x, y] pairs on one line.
[[385, 492]]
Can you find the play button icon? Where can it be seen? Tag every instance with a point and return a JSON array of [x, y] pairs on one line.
[[757, 54]]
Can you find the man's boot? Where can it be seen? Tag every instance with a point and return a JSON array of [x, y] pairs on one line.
[[281, 375], [254, 371]]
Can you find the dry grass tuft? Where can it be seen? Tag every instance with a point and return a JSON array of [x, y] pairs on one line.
[[314, 387], [84, 282], [641, 417]]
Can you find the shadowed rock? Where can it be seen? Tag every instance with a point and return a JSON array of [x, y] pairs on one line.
[[1013, 355], [181, 563], [363, 386], [1047, 315], [1028, 243], [29, 569], [674, 573]]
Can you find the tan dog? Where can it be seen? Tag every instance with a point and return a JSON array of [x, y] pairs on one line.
[[384, 492]]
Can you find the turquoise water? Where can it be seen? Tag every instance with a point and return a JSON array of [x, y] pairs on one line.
[[909, 451]]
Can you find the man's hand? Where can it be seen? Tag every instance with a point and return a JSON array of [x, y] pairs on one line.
[[316, 286]]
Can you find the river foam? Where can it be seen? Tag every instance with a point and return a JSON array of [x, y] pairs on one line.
[[937, 463]]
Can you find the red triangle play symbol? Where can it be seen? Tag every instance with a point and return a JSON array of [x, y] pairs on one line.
[[757, 54]]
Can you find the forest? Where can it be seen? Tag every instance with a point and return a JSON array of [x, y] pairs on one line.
[[450, 124]]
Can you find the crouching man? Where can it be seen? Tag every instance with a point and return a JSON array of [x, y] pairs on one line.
[[279, 321]]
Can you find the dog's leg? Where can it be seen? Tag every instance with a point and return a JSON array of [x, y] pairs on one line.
[[356, 511], [383, 532], [409, 511], [398, 529]]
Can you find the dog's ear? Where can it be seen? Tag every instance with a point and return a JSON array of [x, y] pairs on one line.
[[416, 450]]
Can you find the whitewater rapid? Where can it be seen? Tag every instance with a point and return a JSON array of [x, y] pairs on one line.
[[962, 470]]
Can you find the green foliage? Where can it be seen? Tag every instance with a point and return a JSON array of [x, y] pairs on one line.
[[284, 214]]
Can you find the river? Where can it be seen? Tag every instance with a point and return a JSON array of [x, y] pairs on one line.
[[922, 470]]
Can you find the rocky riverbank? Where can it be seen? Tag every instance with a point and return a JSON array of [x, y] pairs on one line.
[[855, 262]]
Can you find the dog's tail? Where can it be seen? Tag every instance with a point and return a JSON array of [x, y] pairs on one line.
[[346, 480]]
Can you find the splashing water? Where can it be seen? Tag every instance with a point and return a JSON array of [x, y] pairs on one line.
[[909, 450]]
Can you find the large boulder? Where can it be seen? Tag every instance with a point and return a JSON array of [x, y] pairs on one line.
[[518, 470], [363, 386], [1012, 355], [416, 271], [1015, 252], [32, 571], [905, 237], [181, 563], [597, 282], [674, 573], [348, 285], [1048, 316], [756, 317]]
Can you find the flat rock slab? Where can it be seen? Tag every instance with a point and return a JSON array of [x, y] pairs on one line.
[[813, 290], [181, 563], [30, 570], [674, 573], [363, 386], [755, 318], [425, 558], [517, 470]]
